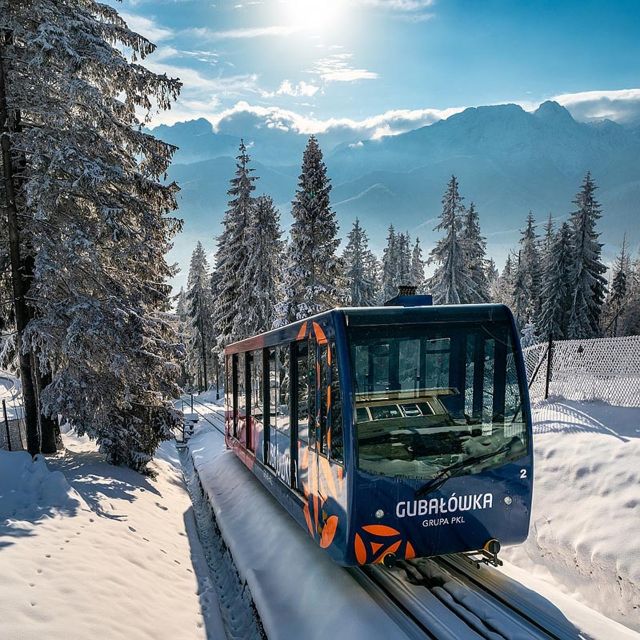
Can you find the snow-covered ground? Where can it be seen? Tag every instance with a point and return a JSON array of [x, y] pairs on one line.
[[292, 580], [88, 550], [585, 531]]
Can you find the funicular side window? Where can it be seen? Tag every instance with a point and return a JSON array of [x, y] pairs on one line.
[[256, 397], [305, 394], [241, 397], [336, 446], [280, 410], [228, 394]]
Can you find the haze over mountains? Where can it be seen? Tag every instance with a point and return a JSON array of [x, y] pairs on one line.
[[507, 160]]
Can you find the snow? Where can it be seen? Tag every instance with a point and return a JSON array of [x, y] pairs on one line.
[[586, 506], [288, 575], [89, 550], [298, 590]]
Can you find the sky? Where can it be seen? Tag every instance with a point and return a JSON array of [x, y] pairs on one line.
[[389, 65]]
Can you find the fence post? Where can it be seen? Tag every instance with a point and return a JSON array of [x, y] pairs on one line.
[[549, 366], [192, 403], [6, 424]]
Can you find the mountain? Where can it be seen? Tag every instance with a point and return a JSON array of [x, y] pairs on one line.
[[507, 160]]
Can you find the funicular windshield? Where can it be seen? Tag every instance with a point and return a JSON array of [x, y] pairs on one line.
[[434, 397]]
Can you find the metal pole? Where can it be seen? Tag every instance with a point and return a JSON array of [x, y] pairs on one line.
[[549, 366], [6, 424], [192, 403]]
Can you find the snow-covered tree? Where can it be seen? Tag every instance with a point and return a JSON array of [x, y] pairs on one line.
[[502, 290], [232, 255], [360, 268], [92, 210], [526, 290], [618, 292], [313, 272], [389, 284], [475, 252], [451, 282], [404, 274], [264, 269], [200, 311], [589, 284], [630, 314], [557, 287], [417, 267]]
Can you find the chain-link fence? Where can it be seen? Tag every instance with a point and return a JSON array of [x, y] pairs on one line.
[[605, 369], [13, 435]]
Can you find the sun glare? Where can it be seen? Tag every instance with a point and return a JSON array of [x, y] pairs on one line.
[[316, 15]]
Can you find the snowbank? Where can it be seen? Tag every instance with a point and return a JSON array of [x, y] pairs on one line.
[[586, 507], [298, 591], [94, 551]]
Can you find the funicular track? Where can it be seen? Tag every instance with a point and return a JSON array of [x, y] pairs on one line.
[[448, 598]]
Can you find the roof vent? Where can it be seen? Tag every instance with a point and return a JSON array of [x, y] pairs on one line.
[[407, 298]]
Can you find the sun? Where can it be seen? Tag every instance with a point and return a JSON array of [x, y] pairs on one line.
[[314, 15]]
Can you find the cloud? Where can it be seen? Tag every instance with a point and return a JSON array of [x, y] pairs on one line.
[[336, 68], [389, 123], [245, 33], [621, 106], [147, 27], [410, 10], [287, 88]]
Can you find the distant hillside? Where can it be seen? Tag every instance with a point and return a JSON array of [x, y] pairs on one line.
[[507, 160]]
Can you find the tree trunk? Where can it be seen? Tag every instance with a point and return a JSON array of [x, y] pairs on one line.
[[18, 280], [48, 424]]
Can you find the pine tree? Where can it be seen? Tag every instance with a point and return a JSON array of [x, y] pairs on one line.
[[404, 275], [184, 331], [417, 267], [475, 250], [587, 269], [232, 255], [451, 283], [389, 285], [262, 276], [93, 210], [493, 278], [313, 272], [556, 288], [360, 268], [617, 298], [504, 286], [630, 314], [527, 276], [200, 311]]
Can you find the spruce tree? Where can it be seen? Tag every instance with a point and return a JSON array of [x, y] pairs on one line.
[[262, 276], [617, 298], [200, 311], [417, 267], [232, 255], [527, 276], [452, 282], [505, 284], [630, 314], [389, 285], [313, 271], [360, 268], [404, 274], [587, 269], [475, 250], [87, 188], [557, 288]]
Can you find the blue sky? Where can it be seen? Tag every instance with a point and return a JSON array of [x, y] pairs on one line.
[[387, 65]]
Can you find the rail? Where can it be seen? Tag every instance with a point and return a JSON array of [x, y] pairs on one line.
[[449, 598]]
